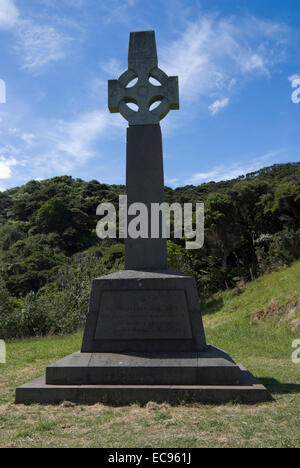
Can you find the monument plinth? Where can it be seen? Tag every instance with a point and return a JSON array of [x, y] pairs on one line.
[[144, 338], [144, 311]]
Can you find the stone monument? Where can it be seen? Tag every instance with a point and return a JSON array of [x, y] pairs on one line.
[[144, 338]]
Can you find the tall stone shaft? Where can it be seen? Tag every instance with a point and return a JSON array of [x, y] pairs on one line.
[[144, 171], [145, 184]]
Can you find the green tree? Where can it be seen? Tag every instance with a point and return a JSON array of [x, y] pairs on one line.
[[53, 216], [222, 228], [287, 204]]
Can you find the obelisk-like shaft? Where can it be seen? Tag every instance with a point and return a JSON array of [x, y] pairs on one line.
[[144, 173], [145, 184]]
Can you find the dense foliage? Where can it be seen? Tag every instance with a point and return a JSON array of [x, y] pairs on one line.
[[49, 251]]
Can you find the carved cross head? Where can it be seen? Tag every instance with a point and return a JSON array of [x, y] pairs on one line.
[[142, 66]]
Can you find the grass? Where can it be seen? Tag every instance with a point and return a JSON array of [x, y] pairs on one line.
[[252, 323]]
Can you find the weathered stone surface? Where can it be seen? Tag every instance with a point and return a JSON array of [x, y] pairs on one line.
[[248, 391], [209, 367], [133, 311], [142, 64], [145, 184], [128, 315]]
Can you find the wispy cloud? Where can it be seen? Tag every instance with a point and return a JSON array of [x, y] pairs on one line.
[[213, 54], [36, 44], [75, 138], [173, 182], [28, 138], [217, 105], [39, 45], [50, 147], [8, 14], [113, 68], [234, 170], [72, 143], [118, 11]]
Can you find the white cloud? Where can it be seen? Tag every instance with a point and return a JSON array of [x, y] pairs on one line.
[[97, 89], [113, 68], [77, 136], [47, 147], [216, 106], [119, 11], [71, 144], [8, 14], [255, 63], [39, 45], [213, 54], [5, 167], [173, 182], [28, 138], [236, 169]]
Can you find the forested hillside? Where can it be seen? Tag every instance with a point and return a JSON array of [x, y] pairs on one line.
[[49, 251]]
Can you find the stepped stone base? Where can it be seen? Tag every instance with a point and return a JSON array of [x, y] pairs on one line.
[[247, 391], [209, 367], [207, 376], [144, 340]]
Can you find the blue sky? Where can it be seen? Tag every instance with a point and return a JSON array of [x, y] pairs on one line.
[[238, 64]]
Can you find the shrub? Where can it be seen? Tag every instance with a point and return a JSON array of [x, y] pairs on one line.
[[59, 307], [274, 251]]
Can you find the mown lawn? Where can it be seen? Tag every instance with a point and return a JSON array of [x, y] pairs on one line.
[[255, 325]]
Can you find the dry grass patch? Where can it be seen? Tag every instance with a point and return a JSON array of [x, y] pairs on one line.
[[155, 425]]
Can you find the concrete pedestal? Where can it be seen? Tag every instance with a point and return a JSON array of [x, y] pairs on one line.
[[209, 367], [248, 390], [144, 340], [144, 312]]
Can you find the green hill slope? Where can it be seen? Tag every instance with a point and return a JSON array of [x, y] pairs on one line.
[[257, 323]]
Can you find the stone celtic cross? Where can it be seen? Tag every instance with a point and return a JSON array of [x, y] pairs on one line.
[[144, 155], [142, 64]]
